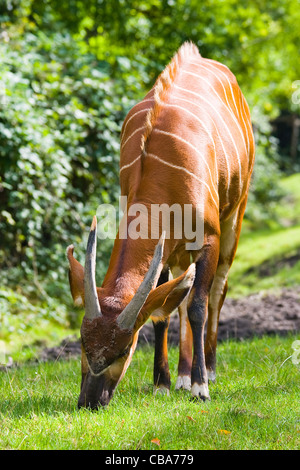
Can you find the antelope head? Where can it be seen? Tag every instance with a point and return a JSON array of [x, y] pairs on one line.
[[109, 336]]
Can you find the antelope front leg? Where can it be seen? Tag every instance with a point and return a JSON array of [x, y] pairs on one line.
[[161, 374], [197, 312]]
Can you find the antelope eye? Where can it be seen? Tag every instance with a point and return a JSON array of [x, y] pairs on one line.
[[126, 351]]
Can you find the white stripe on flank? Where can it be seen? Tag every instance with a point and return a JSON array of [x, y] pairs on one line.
[[220, 139], [215, 64], [176, 167], [193, 147], [139, 103], [131, 135], [249, 126], [245, 126], [226, 77], [224, 123], [204, 127], [131, 163], [216, 128], [131, 117], [223, 103], [246, 111], [248, 118], [218, 78], [227, 164]]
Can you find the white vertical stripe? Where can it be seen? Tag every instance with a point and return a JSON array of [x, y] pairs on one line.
[[247, 116], [220, 139], [225, 125], [223, 103], [229, 83], [176, 167], [170, 134], [131, 163], [204, 127], [131, 135], [151, 155], [218, 78], [138, 104], [245, 126], [215, 65], [131, 117]]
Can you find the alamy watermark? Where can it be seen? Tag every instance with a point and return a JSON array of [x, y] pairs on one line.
[[147, 221]]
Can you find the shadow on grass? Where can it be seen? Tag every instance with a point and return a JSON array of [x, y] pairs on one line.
[[28, 407]]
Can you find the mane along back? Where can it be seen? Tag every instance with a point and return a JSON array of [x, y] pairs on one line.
[[164, 84]]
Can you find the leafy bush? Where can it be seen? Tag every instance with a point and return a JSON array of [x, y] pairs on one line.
[[59, 142], [265, 191]]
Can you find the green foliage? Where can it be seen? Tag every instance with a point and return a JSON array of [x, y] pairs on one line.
[[60, 120], [265, 192], [25, 324]]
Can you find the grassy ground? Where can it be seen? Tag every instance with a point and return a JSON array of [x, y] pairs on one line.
[[255, 402], [266, 260], [269, 258], [255, 405]]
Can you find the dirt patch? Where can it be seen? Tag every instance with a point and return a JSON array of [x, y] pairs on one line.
[[244, 318], [256, 315]]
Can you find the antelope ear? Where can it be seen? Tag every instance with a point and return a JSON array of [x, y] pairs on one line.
[[76, 276], [165, 298]]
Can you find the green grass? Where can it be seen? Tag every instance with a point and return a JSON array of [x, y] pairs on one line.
[[268, 259], [27, 326], [264, 261], [255, 405]]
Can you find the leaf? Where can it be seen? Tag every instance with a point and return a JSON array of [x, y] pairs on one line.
[[223, 431], [155, 441], [8, 217], [191, 418]]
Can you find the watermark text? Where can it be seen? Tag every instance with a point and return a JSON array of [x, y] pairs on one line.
[[148, 221]]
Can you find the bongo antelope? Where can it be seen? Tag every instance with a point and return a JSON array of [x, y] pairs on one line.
[[189, 141]]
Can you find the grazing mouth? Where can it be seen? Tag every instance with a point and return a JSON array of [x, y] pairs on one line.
[[96, 391]]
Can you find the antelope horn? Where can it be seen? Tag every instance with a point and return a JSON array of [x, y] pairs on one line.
[[92, 306], [127, 318]]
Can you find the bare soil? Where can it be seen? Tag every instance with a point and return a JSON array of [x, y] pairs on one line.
[[256, 315]]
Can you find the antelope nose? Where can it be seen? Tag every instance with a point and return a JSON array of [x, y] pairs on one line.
[[93, 404], [95, 392], [91, 388], [84, 402]]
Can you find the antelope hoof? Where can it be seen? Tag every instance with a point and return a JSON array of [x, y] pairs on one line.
[[211, 376], [200, 392], [184, 382], [161, 390]]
